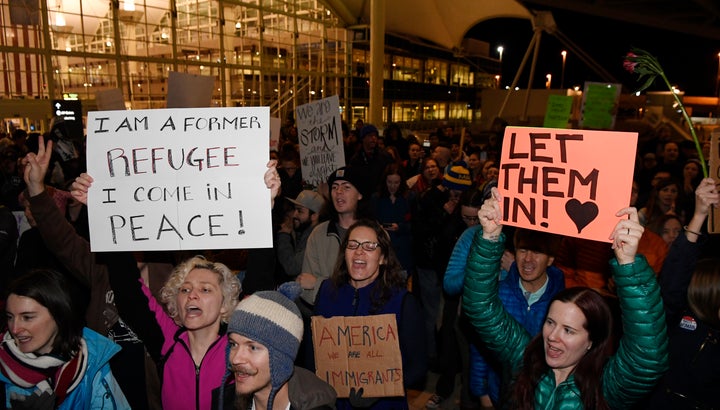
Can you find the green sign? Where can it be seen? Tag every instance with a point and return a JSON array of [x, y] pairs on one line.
[[600, 105], [558, 111]]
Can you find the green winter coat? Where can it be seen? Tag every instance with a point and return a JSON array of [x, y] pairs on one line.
[[629, 374]]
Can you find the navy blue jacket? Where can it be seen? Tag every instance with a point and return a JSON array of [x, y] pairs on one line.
[[348, 301]]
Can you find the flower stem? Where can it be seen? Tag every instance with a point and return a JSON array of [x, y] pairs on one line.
[[690, 125]]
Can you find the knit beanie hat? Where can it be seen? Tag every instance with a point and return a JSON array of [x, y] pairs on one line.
[[368, 130], [272, 319], [457, 177], [346, 174]]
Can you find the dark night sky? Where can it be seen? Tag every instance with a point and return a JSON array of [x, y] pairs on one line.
[[689, 62]]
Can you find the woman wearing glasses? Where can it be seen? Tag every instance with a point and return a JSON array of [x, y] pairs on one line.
[[367, 280]]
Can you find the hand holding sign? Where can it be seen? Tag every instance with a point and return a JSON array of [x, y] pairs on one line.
[[706, 197], [80, 188], [490, 216], [626, 236], [272, 180], [358, 401]]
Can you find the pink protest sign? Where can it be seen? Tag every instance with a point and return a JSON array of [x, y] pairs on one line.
[[568, 182]]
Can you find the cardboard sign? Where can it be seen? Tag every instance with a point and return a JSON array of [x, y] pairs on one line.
[[189, 90], [176, 179], [558, 110], [111, 99], [320, 136], [600, 102], [275, 125], [569, 182], [714, 169], [359, 351]]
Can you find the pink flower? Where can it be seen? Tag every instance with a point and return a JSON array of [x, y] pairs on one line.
[[628, 64], [648, 69]]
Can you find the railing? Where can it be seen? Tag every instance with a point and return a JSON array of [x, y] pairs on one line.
[[287, 97]]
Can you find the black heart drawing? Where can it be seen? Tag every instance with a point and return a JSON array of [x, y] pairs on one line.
[[581, 214]]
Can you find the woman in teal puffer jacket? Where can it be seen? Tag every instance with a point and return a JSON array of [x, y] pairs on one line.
[[570, 365]]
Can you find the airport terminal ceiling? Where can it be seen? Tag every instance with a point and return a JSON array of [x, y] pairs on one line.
[[699, 18], [441, 21], [420, 17]]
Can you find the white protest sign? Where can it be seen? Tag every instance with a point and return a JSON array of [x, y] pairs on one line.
[[320, 136], [179, 179]]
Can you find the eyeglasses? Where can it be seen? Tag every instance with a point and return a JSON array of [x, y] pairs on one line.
[[367, 245], [471, 218]]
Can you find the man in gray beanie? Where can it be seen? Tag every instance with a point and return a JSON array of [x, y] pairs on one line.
[[264, 334]]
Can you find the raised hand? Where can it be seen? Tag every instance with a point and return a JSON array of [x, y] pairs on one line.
[[36, 166], [706, 195], [490, 216], [626, 236], [272, 180], [80, 187]]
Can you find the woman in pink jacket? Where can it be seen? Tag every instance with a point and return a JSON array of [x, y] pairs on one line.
[[187, 338]]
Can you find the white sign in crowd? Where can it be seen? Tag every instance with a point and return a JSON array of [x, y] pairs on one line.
[[177, 179], [320, 136]]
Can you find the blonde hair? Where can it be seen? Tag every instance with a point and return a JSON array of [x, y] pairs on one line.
[[229, 285]]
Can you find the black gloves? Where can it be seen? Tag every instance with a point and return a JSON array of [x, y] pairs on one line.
[[358, 401]]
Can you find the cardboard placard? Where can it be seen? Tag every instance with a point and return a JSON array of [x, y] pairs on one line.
[[320, 136], [359, 351], [714, 169], [569, 182], [111, 99], [176, 179], [189, 90], [275, 125]]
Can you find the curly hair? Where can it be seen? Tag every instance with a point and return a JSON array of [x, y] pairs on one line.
[[390, 278], [229, 284]]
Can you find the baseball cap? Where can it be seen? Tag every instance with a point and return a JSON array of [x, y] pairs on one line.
[[310, 200]]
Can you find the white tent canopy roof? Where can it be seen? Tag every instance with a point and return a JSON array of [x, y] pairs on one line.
[[444, 22]]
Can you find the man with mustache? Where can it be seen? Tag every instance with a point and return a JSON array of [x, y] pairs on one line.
[[264, 334]]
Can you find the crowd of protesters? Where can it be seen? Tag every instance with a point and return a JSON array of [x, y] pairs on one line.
[[411, 227]]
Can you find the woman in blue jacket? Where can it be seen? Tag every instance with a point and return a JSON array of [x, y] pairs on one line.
[[367, 281], [47, 359]]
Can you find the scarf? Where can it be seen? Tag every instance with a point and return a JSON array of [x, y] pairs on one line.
[[44, 372]]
